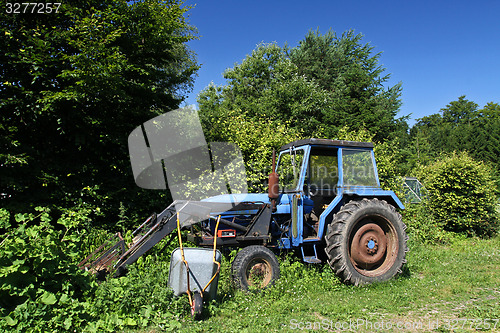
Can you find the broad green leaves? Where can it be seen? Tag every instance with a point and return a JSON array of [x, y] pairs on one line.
[[41, 289], [48, 298]]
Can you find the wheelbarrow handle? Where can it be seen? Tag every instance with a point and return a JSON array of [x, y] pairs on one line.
[[215, 261]]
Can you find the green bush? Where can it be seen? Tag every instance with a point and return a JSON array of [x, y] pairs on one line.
[[421, 225], [41, 288], [462, 195]]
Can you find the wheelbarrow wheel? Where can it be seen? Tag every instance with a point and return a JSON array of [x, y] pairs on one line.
[[197, 307]]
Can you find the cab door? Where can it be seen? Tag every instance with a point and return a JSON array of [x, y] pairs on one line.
[[292, 169]]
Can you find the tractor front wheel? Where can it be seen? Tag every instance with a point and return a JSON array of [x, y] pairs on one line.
[[255, 267], [366, 242]]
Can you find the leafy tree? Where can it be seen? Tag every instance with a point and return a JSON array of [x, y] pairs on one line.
[[318, 89], [256, 139], [265, 85], [491, 111], [320, 86], [351, 73], [428, 121], [424, 136], [74, 85], [459, 112], [461, 126], [487, 136]]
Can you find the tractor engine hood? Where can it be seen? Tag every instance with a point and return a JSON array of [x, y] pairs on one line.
[[240, 197], [283, 206]]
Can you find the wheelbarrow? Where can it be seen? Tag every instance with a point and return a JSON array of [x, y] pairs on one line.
[[195, 272]]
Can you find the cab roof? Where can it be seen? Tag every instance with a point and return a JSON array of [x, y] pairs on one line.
[[327, 142]]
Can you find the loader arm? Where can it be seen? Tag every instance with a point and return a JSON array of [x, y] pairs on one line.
[[113, 254]]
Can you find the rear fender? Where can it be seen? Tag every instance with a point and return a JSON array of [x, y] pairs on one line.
[[378, 193], [346, 195]]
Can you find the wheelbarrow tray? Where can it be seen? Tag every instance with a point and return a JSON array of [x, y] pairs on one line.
[[201, 270]]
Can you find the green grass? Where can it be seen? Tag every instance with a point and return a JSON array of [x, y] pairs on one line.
[[453, 285]]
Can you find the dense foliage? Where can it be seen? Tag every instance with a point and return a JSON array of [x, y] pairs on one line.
[[41, 288], [325, 83], [460, 126], [256, 139], [462, 195], [328, 86], [73, 85], [351, 74]]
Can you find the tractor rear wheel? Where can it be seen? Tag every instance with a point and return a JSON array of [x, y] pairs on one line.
[[255, 267], [366, 242]]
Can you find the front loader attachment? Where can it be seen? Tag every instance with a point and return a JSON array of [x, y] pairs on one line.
[[114, 255]]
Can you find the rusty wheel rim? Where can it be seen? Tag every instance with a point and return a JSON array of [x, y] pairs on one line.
[[373, 246], [259, 273]]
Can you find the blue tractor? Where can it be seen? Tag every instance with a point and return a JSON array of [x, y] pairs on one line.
[[324, 202]]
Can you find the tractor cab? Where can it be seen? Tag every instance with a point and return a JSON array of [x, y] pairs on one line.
[[322, 167], [316, 177]]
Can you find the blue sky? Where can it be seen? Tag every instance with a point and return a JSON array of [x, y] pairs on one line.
[[438, 49]]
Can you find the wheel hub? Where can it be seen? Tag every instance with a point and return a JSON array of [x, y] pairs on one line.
[[259, 273], [368, 246], [372, 245]]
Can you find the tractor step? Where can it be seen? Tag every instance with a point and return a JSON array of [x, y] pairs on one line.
[[311, 259]]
